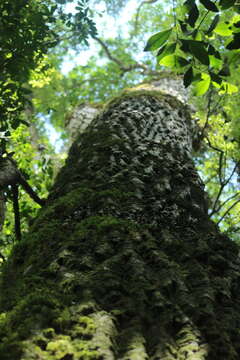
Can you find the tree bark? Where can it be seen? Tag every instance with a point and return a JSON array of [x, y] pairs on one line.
[[123, 261]]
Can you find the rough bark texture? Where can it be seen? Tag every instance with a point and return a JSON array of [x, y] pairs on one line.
[[123, 262]]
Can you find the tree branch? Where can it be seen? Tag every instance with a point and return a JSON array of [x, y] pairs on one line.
[[228, 210], [123, 68], [145, 2], [222, 186], [224, 203], [17, 224], [223, 182]]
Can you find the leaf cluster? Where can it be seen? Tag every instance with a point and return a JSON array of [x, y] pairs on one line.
[[199, 42], [28, 29]]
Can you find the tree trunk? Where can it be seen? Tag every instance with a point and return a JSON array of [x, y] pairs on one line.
[[123, 261]]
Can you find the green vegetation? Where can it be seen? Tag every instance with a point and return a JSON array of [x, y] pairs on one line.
[[198, 40], [201, 43], [86, 276]]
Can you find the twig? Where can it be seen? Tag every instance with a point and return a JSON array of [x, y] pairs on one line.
[[145, 2], [224, 203], [220, 158], [228, 210], [203, 18], [222, 186], [210, 111], [135, 66]]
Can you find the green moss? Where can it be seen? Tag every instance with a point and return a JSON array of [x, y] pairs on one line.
[[65, 206], [60, 347], [84, 328], [78, 342], [75, 342]]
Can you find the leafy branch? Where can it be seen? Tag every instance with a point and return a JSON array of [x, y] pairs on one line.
[[191, 52]]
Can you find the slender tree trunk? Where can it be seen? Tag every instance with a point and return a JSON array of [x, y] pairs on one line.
[[123, 261]]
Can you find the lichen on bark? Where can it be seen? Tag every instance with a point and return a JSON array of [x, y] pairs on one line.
[[123, 261]]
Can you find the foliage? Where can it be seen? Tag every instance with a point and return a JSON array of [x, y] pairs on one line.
[[202, 42], [185, 42], [28, 30], [35, 159]]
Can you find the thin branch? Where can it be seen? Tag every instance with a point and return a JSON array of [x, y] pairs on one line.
[[145, 2], [222, 186], [30, 191], [228, 210], [203, 18], [210, 111], [135, 66], [224, 203], [223, 182], [220, 159], [108, 53]]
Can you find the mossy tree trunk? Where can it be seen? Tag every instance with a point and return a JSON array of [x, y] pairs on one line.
[[123, 261]]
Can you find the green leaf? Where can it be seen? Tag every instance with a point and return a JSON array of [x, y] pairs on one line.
[[225, 71], [166, 50], [24, 122], [226, 4], [193, 16], [188, 77], [193, 12], [157, 40], [198, 50], [15, 123], [228, 88], [209, 5], [223, 29], [202, 86], [174, 61], [196, 35], [185, 45], [214, 77], [235, 43], [197, 77], [213, 24], [189, 4], [183, 27], [213, 51], [237, 24], [215, 62]]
